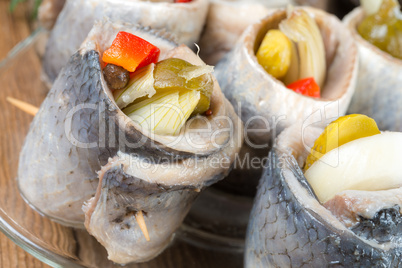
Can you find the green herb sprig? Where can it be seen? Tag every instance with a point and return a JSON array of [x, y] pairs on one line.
[[14, 4]]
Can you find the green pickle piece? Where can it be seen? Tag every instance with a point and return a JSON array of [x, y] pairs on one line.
[[170, 74], [384, 28]]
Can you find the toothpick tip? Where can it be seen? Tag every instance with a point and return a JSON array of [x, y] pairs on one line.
[[141, 222], [24, 106]]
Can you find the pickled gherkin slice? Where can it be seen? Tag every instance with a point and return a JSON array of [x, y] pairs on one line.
[[180, 75], [343, 130], [384, 28]]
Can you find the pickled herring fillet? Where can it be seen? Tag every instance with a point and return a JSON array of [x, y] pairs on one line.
[[62, 148], [247, 85], [258, 95], [79, 127], [289, 228], [162, 191], [377, 90]]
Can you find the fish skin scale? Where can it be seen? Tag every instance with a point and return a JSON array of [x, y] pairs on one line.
[[49, 163], [318, 245]]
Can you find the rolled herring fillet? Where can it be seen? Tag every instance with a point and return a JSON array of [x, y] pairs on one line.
[[289, 227], [256, 93], [264, 103], [79, 127], [378, 90]]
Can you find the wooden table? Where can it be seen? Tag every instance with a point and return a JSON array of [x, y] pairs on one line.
[[14, 27]]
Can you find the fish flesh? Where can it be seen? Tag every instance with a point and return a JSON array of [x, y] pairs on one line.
[[78, 16], [289, 227], [377, 92], [79, 127]]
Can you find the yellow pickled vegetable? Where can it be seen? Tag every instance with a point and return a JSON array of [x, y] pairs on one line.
[[274, 53], [343, 130], [384, 28]]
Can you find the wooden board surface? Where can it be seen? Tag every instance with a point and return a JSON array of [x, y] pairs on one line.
[[13, 28]]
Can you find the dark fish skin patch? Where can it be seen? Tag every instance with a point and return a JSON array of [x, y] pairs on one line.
[[385, 226]]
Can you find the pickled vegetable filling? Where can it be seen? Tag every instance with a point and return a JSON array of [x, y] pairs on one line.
[[159, 96], [295, 54], [364, 159], [341, 131], [383, 26], [358, 175]]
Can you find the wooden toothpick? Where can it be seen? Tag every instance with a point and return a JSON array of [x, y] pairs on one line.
[[26, 107], [139, 216]]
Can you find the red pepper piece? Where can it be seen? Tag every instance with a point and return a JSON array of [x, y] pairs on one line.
[[131, 52], [306, 87], [182, 1]]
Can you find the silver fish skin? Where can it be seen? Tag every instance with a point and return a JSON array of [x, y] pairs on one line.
[[288, 227], [378, 93], [184, 20], [54, 175]]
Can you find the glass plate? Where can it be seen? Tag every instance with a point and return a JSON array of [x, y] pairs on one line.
[[57, 245]]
